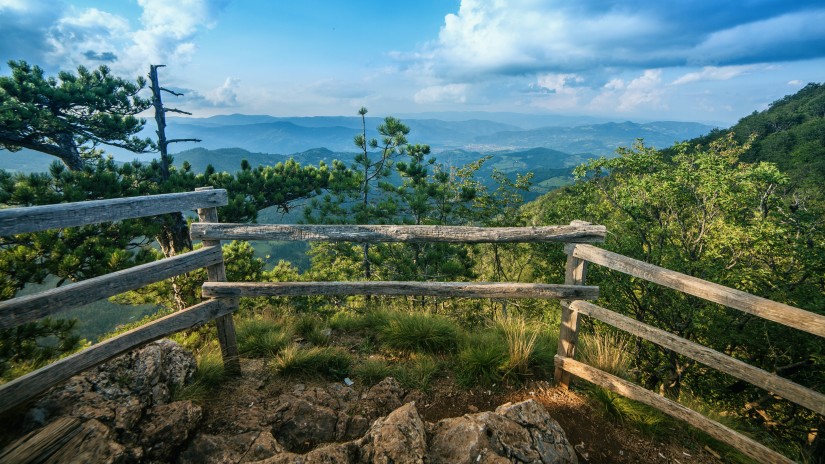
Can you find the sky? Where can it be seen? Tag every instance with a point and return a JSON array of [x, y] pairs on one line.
[[702, 60]]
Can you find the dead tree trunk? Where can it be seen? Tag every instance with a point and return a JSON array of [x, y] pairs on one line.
[[174, 235]]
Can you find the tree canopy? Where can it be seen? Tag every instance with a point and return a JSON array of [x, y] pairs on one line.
[[70, 115]]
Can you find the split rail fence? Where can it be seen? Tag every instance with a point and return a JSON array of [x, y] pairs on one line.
[[223, 296]]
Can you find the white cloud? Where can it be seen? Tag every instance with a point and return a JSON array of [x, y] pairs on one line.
[[449, 93], [557, 83], [645, 89], [225, 95], [713, 73], [795, 83]]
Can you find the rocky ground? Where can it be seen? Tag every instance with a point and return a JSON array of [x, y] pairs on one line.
[[124, 411]]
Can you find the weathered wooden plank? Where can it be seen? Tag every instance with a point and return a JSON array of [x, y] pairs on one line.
[[396, 233], [40, 445], [785, 388], [575, 273], [36, 218], [737, 299], [227, 338], [28, 308], [34, 383], [444, 289], [755, 450]]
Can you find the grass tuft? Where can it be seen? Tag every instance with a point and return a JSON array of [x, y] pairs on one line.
[[418, 372], [372, 371], [480, 361], [521, 341], [209, 375], [420, 332], [607, 351], [329, 362], [261, 338]]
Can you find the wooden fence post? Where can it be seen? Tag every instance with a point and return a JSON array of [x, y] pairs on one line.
[[575, 274], [226, 326]]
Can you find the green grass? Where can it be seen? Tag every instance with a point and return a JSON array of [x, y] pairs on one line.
[[331, 363], [419, 332], [418, 372], [372, 371], [479, 361], [209, 375], [262, 338]]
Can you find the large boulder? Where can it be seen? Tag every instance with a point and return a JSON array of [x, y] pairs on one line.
[[121, 411]]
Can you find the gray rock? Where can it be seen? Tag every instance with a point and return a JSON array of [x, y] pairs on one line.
[[399, 438], [167, 427], [514, 433]]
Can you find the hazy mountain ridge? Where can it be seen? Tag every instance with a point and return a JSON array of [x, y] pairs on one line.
[[269, 134]]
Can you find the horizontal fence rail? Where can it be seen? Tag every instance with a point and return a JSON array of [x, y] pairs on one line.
[[785, 388], [37, 218], [34, 383], [748, 446], [444, 289], [767, 309], [574, 233], [24, 309]]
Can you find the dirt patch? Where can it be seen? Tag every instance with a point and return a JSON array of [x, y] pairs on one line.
[[245, 404]]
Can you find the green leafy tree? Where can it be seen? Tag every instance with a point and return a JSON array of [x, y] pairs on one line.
[[71, 115]]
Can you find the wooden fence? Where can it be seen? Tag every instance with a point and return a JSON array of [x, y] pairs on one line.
[[20, 310], [578, 257], [223, 296]]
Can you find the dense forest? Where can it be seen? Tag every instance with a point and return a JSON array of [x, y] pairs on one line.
[[742, 207]]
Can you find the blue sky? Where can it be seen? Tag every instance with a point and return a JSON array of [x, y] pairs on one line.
[[642, 60]]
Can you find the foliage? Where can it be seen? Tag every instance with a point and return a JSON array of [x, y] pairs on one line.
[[69, 116], [418, 372], [480, 360]]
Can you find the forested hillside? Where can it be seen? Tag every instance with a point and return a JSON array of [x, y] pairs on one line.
[[743, 208]]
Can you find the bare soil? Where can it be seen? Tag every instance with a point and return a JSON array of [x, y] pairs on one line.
[[596, 438]]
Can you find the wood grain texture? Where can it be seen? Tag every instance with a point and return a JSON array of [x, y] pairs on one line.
[[28, 308], [785, 388], [39, 446], [32, 384], [227, 338], [755, 450], [737, 299], [37, 218], [575, 273], [395, 233], [445, 289]]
